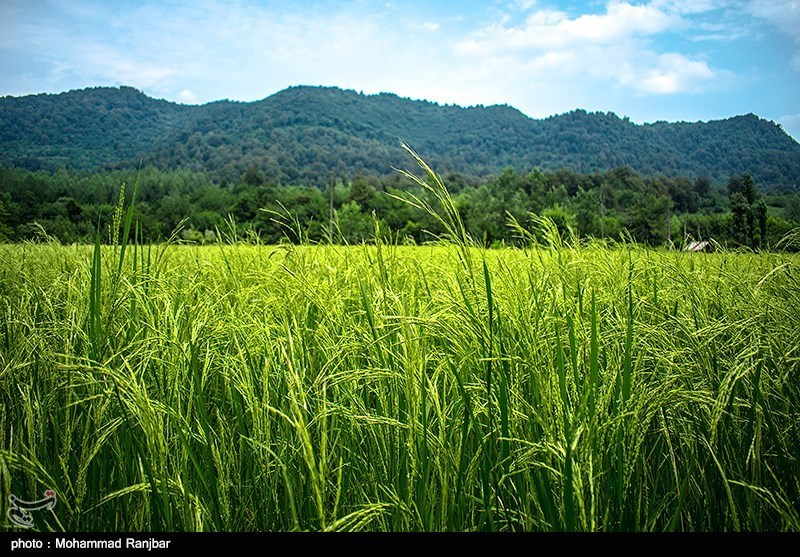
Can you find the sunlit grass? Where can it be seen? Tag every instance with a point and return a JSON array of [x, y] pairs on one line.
[[398, 388], [383, 387]]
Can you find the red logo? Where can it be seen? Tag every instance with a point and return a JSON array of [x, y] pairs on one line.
[[49, 493]]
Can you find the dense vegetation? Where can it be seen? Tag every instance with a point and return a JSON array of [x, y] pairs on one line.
[[306, 134], [83, 129], [386, 387], [71, 206]]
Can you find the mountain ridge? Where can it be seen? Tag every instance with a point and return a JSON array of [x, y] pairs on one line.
[[306, 133]]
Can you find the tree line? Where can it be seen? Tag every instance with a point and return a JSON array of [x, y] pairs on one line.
[[654, 210]]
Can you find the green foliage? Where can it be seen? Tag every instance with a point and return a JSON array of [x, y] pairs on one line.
[[388, 388], [252, 176], [305, 134], [353, 225], [744, 186], [749, 212], [561, 219], [85, 128], [71, 205]]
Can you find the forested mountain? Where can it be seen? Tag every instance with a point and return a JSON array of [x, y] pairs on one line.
[[306, 134], [83, 129]]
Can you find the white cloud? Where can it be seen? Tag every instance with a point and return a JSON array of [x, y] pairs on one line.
[[614, 45], [674, 73], [430, 26], [620, 20], [550, 29], [187, 96]]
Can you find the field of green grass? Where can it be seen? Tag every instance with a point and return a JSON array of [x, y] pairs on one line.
[[381, 387], [237, 387]]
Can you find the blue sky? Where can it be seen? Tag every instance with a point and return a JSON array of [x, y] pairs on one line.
[[668, 60]]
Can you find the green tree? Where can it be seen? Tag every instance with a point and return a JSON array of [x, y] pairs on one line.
[[562, 218], [644, 219], [745, 185], [749, 226], [759, 214], [354, 225], [253, 176], [7, 218], [587, 207], [482, 214], [740, 209], [702, 186], [362, 192]]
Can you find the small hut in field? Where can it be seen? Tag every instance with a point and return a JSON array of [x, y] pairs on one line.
[[703, 245]]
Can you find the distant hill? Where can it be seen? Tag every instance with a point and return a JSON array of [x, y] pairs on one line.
[[305, 134]]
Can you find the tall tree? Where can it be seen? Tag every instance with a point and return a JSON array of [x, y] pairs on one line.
[[740, 210], [749, 212]]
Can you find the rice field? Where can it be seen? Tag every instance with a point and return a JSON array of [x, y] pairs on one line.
[[250, 388], [384, 387]]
